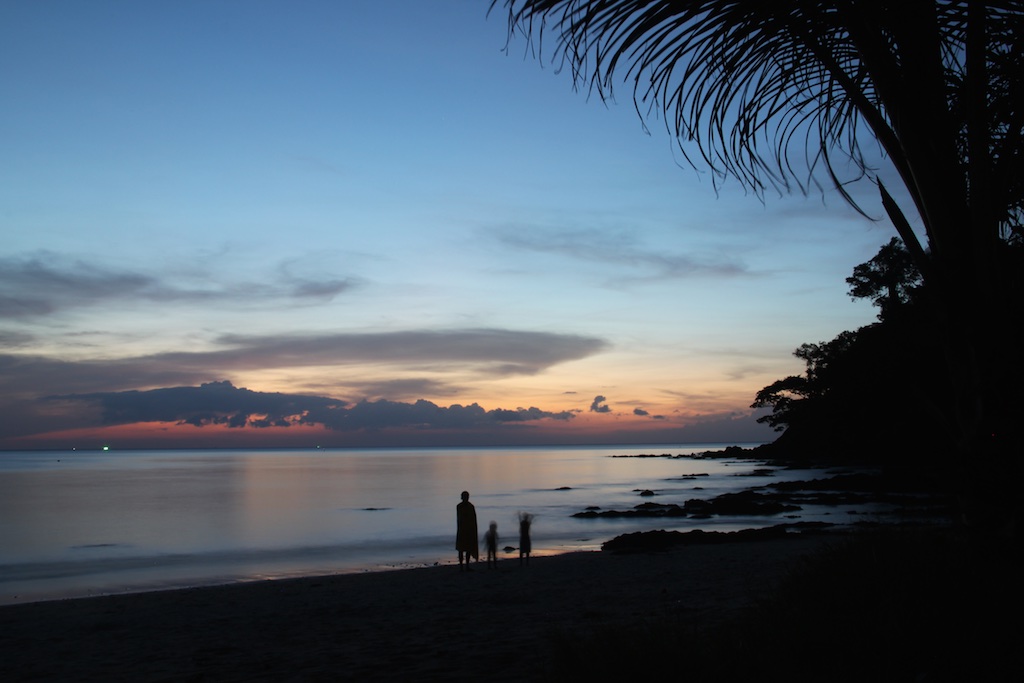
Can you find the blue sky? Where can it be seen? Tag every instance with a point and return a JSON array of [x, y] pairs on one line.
[[376, 204]]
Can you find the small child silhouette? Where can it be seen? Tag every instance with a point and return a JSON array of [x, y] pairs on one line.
[[491, 541], [525, 519]]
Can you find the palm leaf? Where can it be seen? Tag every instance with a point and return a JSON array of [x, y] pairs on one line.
[[772, 94]]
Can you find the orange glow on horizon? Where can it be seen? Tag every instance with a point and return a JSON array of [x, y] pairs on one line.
[[583, 428], [142, 435]]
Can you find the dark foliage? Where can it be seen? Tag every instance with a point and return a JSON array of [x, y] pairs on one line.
[[882, 392], [890, 279]]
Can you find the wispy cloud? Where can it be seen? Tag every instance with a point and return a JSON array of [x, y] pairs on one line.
[[45, 283], [403, 388], [620, 249], [38, 286], [11, 339], [492, 352], [25, 376]]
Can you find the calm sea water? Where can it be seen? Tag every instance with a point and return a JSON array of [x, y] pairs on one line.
[[85, 523]]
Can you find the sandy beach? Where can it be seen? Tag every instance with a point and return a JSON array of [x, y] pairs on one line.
[[432, 623]]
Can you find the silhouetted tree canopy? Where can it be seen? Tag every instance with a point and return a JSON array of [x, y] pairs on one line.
[[868, 395], [776, 94], [875, 393], [889, 279]]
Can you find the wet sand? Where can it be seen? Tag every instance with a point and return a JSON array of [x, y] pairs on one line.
[[432, 623]]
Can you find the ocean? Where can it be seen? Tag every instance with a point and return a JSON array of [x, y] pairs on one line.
[[80, 523]]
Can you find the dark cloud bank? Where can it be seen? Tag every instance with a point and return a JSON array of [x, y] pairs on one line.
[[221, 403], [164, 387], [42, 397], [247, 415]]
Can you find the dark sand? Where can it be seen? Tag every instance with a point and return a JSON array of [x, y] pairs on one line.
[[420, 624]]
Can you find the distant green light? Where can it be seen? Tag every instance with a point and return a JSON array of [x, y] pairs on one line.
[[106, 448]]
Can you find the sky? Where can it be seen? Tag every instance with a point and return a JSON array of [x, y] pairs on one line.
[[367, 223]]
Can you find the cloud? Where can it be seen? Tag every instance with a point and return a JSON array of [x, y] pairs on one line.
[[46, 283], [316, 289], [36, 286], [113, 387], [640, 412], [618, 249], [24, 376], [487, 351], [495, 351], [220, 403], [10, 339], [402, 388], [211, 403], [424, 414], [598, 405]]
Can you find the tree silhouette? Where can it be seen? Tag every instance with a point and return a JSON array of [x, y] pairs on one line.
[[868, 395], [777, 94], [889, 279]]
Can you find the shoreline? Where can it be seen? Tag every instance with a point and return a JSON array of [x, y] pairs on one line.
[[765, 500], [83, 590], [421, 623]]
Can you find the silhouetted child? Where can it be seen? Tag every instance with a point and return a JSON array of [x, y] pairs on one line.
[[525, 519], [491, 540]]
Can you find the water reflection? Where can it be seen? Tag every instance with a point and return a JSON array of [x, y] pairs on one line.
[[194, 515]]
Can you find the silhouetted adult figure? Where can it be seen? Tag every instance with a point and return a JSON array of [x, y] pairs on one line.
[[466, 540], [525, 520]]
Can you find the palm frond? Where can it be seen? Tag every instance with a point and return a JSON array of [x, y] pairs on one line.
[[772, 94]]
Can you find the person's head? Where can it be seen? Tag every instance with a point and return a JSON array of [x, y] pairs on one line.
[[494, 525], [465, 495]]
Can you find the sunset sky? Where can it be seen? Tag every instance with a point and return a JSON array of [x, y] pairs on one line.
[[358, 223]]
